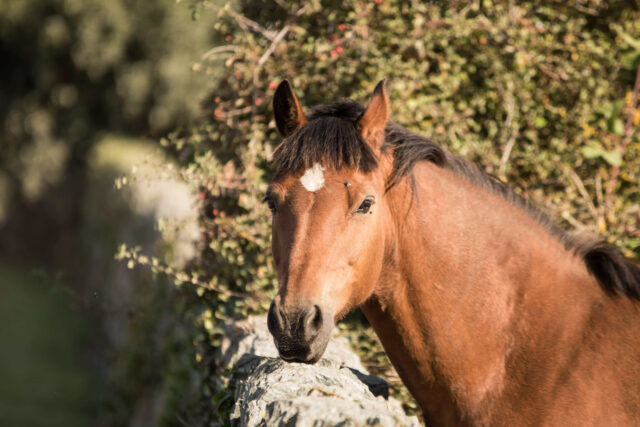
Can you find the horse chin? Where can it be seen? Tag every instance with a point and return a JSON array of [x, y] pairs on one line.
[[311, 355], [309, 361], [317, 354]]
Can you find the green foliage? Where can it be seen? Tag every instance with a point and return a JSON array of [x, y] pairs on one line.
[[537, 93]]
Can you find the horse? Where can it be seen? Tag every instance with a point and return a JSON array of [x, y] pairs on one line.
[[490, 313]]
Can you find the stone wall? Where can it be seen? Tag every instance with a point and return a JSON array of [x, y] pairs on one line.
[[335, 391]]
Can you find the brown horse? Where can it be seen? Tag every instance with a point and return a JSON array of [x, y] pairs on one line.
[[489, 312]]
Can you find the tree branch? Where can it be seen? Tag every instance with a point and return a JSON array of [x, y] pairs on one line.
[[510, 128], [218, 49], [242, 20]]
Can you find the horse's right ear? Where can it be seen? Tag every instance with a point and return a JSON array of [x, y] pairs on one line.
[[287, 110]]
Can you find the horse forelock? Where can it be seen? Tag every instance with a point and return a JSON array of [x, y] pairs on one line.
[[330, 138]]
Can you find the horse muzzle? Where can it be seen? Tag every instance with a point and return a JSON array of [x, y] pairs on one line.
[[300, 333]]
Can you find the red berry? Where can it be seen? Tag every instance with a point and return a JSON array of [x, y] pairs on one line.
[[378, 1], [273, 85], [342, 27], [216, 212], [202, 195], [339, 49], [219, 114], [332, 37], [333, 53], [258, 102]]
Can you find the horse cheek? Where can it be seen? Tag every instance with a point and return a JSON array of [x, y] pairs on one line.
[[368, 268]]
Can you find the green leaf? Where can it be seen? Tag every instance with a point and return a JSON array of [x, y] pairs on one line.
[[630, 40], [618, 127], [612, 157], [592, 151], [540, 122], [614, 124], [630, 60]]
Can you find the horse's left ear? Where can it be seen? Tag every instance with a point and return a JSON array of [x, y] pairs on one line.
[[375, 117]]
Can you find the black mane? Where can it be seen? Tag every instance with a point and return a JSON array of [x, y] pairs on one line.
[[331, 138]]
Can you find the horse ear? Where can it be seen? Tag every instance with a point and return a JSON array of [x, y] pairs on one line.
[[375, 117], [287, 110]]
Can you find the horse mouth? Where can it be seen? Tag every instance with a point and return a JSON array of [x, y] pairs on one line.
[[296, 359], [303, 354]]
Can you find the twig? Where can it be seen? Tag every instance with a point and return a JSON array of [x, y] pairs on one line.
[[283, 32], [168, 271], [272, 47], [242, 20], [300, 11], [512, 17], [587, 10], [577, 224], [282, 4], [625, 141], [438, 23], [600, 200], [221, 114], [546, 70], [583, 192], [513, 131], [506, 154], [182, 421], [465, 9], [328, 392], [217, 49], [599, 195], [274, 42]]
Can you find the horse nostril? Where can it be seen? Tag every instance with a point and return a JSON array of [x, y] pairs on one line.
[[313, 321], [274, 318], [317, 318]]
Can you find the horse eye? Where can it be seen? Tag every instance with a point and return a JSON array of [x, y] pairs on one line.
[[364, 206], [270, 203]]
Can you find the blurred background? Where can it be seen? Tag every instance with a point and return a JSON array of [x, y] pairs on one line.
[[135, 140]]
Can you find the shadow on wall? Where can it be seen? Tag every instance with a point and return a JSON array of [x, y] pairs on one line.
[[97, 343]]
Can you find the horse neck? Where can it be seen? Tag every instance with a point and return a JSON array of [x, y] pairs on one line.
[[471, 282]]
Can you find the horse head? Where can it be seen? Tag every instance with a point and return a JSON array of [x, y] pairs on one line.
[[329, 214]]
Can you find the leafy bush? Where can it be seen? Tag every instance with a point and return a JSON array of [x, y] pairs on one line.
[[537, 93]]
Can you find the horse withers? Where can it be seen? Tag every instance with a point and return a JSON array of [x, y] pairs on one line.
[[489, 312]]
